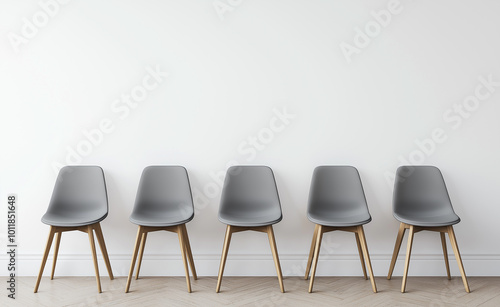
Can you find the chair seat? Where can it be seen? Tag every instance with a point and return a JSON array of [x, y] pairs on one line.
[[79, 197], [336, 197], [441, 220], [421, 198], [340, 219], [161, 216], [163, 197], [267, 215], [250, 197], [425, 214], [70, 218]]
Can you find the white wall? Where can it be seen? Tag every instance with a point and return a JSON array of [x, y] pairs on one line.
[[227, 79]]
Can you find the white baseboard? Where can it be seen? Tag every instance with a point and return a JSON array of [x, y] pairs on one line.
[[256, 265]]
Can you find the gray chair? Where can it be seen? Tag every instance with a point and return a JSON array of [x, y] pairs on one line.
[[163, 202], [79, 202], [337, 202], [421, 202], [250, 201]]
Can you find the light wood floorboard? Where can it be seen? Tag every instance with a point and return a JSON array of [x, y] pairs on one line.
[[256, 291]]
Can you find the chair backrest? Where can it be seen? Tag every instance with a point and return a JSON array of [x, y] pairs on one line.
[[79, 188], [420, 188], [336, 187], [249, 188], [164, 186]]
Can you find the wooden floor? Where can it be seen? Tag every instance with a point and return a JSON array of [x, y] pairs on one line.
[[256, 291]]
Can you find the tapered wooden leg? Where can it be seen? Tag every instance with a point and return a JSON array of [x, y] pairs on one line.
[[188, 251], [90, 232], [134, 257], [445, 254], [274, 250], [104, 251], [453, 241], [45, 255], [319, 236], [311, 252], [408, 254], [141, 253], [56, 251], [364, 247], [397, 246], [184, 256], [225, 249], [360, 252]]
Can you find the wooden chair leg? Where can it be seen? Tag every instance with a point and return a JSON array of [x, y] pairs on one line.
[[453, 241], [184, 256], [445, 254], [317, 247], [134, 257], [141, 253], [104, 251], [364, 247], [274, 250], [360, 252], [56, 251], [408, 254], [188, 251], [45, 255], [397, 247], [225, 249], [311, 252], [90, 232]]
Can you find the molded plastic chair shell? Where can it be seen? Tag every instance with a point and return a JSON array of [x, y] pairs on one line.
[[79, 197], [337, 198], [163, 198], [250, 197], [421, 197]]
